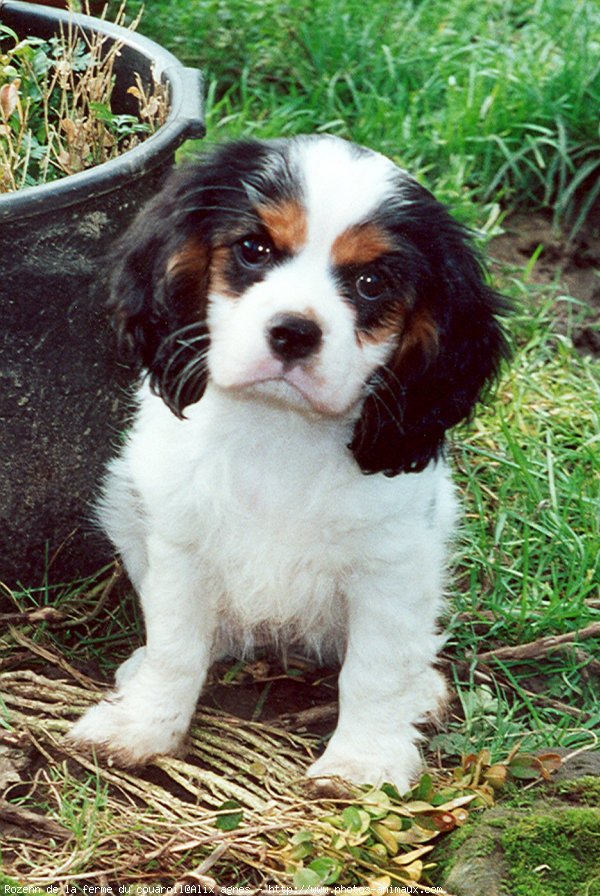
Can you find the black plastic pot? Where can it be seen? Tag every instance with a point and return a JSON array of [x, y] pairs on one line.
[[62, 402]]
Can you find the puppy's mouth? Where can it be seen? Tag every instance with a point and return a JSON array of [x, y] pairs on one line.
[[293, 385]]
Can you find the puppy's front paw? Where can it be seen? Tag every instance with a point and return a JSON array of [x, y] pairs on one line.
[[129, 735], [398, 766]]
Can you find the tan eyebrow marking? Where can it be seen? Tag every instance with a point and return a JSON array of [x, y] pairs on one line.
[[286, 223], [360, 244]]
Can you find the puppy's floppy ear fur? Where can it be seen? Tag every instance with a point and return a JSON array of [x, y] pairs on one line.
[[159, 292], [451, 348]]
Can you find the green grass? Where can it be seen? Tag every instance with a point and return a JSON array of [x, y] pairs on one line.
[[487, 101], [532, 459], [527, 564]]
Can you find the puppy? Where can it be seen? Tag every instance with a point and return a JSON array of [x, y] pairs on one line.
[[310, 322]]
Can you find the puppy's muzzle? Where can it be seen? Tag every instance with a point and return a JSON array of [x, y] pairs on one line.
[[292, 337]]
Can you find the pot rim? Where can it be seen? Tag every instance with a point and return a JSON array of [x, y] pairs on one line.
[[184, 121]]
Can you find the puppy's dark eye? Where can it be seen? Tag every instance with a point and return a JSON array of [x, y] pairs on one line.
[[370, 286], [254, 252]]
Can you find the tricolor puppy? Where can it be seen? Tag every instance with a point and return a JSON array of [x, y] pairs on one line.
[[310, 322]]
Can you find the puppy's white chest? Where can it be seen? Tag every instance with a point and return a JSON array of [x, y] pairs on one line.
[[260, 495], [272, 574]]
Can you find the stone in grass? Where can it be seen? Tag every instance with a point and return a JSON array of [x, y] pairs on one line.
[[555, 852]]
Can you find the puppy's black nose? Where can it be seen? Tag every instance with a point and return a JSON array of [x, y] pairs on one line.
[[292, 336]]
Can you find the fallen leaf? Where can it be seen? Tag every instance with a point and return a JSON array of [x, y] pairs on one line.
[[407, 858], [461, 816], [379, 886], [445, 822], [9, 98], [456, 803], [417, 806], [385, 836], [496, 775]]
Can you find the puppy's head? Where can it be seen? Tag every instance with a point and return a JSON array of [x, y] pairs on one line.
[[318, 274]]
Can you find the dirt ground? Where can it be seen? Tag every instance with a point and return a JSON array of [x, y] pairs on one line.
[[574, 265]]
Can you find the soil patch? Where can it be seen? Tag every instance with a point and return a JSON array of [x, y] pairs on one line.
[[571, 265]]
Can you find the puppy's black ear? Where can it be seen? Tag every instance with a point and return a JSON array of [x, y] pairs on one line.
[[450, 348], [159, 293]]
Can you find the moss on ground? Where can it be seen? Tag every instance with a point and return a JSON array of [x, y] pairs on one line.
[[554, 854], [584, 790], [551, 848]]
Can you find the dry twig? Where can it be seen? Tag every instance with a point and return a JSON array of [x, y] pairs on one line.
[[541, 647], [25, 818]]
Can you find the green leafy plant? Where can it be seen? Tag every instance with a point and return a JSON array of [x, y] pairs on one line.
[[382, 839], [55, 112]]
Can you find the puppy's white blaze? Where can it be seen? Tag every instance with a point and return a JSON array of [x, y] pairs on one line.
[[341, 185]]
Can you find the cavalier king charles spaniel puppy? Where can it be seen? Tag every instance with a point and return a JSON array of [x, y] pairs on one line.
[[309, 322]]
